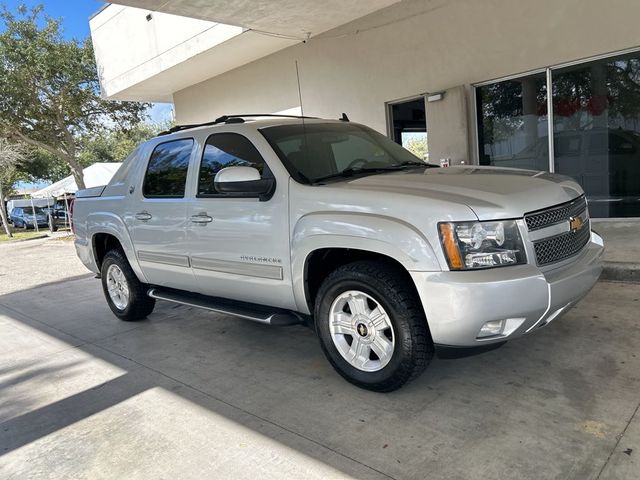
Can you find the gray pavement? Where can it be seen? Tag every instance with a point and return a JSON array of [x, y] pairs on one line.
[[189, 394]]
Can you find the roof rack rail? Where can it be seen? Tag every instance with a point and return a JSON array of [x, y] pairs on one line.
[[229, 119]]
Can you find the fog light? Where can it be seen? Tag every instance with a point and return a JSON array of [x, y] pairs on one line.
[[489, 329]]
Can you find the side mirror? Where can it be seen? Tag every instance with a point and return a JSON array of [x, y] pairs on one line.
[[243, 181]]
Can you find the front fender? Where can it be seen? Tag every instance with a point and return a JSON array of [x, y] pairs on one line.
[[112, 224], [370, 232]]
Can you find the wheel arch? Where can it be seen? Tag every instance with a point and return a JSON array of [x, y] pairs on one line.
[[109, 231], [361, 234], [322, 261], [101, 243]]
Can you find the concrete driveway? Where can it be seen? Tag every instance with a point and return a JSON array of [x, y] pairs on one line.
[[192, 395]]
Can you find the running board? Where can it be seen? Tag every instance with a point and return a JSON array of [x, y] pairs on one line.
[[255, 313]]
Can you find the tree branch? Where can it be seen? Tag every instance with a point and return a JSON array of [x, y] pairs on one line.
[[70, 141], [37, 143]]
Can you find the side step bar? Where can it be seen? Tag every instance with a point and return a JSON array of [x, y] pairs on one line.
[[256, 313]]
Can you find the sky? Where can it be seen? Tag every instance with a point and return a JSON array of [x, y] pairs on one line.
[[75, 13], [75, 23]]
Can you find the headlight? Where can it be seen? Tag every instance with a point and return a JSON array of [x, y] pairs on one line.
[[471, 245]]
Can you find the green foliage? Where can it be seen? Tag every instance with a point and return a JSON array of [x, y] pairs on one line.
[[11, 156], [113, 145], [105, 145], [50, 89], [11, 160], [419, 147]]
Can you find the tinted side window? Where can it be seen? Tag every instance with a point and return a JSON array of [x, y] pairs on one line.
[[226, 150], [167, 170]]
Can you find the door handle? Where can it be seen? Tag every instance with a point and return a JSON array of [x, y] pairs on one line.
[[201, 217], [144, 216]]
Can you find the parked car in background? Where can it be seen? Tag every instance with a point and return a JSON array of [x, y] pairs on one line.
[[57, 218], [28, 217]]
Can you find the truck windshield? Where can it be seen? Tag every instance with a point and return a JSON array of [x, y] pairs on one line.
[[318, 152], [29, 210]]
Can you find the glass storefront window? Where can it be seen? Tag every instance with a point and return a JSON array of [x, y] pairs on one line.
[[596, 128], [512, 123], [596, 108]]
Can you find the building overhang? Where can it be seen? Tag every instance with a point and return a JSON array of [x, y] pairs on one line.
[[294, 18], [148, 50]]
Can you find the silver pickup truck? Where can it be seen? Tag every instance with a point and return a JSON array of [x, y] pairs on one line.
[[329, 223]]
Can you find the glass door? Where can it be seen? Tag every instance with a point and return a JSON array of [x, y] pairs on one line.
[[408, 124], [596, 132]]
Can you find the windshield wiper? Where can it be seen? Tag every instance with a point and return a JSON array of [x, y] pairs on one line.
[[414, 163], [350, 172]]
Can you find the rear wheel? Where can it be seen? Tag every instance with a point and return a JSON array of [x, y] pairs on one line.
[[372, 326], [126, 295]]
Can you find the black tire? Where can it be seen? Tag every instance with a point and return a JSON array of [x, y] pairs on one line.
[[139, 304], [52, 224], [391, 288], [25, 226]]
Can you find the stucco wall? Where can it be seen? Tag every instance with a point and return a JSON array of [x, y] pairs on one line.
[[413, 47]]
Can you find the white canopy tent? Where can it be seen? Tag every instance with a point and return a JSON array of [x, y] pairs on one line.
[[94, 176]]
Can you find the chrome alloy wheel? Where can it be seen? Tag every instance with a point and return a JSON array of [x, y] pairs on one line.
[[361, 331], [117, 287]]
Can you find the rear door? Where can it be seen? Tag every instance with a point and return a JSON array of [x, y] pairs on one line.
[[157, 215]]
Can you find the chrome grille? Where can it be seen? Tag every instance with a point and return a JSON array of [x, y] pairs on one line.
[[553, 216], [563, 246]]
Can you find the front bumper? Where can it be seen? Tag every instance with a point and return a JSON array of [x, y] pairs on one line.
[[41, 223], [458, 304]]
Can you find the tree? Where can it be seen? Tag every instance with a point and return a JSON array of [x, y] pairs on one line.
[[102, 145], [50, 89], [419, 147], [114, 145], [10, 157]]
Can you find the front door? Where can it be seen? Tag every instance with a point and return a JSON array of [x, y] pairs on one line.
[[157, 216], [239, 245]]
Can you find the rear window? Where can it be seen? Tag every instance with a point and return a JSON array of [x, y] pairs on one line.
[[166, 174]]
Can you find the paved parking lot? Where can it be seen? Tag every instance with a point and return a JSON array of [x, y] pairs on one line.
[[188, 394]]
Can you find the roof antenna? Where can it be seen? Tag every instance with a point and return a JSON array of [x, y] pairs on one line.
[[344, 117], [299, 92], [304, 129]]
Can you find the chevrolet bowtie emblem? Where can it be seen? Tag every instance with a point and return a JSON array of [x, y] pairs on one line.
[[575, 223]]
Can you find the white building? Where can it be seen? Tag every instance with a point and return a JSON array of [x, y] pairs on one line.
[[486, 65]]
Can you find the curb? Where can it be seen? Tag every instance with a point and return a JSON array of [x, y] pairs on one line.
[[621, 272], [18, 240]]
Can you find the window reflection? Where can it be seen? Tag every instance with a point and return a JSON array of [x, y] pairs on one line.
[[596, 129], [512, 123], [166, 174], [599, 104], [225, 150]]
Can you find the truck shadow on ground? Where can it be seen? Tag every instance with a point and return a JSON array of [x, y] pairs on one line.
[[557, 394]]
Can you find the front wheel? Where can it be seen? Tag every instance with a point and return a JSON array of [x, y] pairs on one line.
[[372, 326], [126, 295]]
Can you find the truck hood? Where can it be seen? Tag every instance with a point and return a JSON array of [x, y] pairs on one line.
[[491, 192]]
